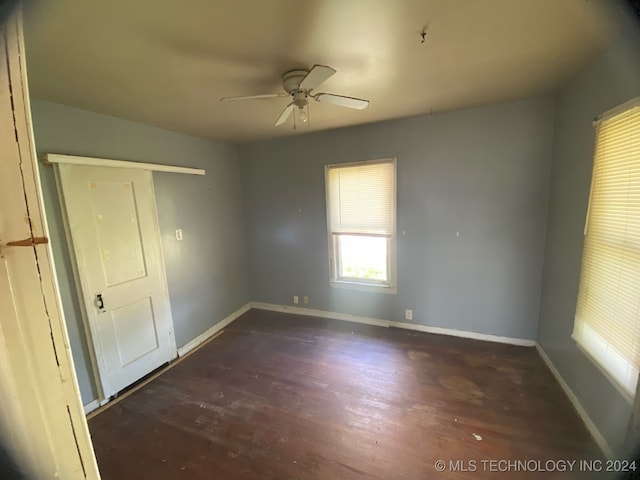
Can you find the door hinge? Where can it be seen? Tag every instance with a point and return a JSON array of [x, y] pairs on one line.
[[28, 242]]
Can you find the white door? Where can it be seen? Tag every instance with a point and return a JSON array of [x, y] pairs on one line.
[[113, 226]]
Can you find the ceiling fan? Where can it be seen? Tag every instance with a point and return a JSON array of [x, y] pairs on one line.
[[299, 84]]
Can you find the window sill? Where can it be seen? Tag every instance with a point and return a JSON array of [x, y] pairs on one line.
[[363, 287]]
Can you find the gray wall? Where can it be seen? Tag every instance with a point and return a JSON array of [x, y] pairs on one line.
[[483, 172], [206, 272], [609, 81]]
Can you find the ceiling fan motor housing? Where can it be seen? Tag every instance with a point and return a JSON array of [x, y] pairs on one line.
[[291, 80]]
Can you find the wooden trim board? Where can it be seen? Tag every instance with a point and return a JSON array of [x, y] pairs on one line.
[[386, 323], [91, 406], [50, 158], [206, 335], [310, 312]]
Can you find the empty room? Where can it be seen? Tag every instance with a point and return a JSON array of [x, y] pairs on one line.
[[355, 239]]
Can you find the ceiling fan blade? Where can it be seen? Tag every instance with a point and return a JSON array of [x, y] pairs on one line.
[[254, 97], [317, 75], [285, 114], [349, 102]]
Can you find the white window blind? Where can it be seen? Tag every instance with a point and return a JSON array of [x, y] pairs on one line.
[[607, 321], [361, 198], [361, 222]]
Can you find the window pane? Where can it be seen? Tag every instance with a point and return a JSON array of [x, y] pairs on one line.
[[363, 257]]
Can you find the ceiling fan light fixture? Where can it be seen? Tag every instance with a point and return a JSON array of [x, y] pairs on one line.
[[302, 115]]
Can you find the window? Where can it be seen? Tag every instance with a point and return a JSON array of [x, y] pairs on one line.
[[361, 219], [607, 322]]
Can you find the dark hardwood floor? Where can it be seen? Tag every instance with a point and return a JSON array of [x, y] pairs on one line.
[[286, 397]]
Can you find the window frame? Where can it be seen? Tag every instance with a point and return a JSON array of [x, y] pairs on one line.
[[581, 343], [353, 283]]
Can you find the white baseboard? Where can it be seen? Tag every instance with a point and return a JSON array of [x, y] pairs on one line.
[[91, 406], [386, 323], [595, 433], [311, 312], [523, 342], [204, 336]]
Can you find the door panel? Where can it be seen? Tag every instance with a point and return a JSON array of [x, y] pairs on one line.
[[135, 330], [115, 220], [113, 227]]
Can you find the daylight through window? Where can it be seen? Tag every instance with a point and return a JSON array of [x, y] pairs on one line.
[[607, 322], [361, 209]]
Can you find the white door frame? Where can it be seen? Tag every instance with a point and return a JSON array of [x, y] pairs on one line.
[[41, 409], [98, 362]]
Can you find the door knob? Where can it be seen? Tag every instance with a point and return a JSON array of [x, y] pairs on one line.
[[100, 302]]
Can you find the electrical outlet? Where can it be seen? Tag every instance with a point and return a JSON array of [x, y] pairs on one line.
[[179, 234], [295, 299], [305, 300], [408, 314]]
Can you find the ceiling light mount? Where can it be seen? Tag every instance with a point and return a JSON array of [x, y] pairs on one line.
[[423, 34], [291, 80]]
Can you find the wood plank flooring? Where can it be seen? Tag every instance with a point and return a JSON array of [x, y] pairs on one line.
[[286, 397]]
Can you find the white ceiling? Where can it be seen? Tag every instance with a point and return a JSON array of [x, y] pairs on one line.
[[167, 62]]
